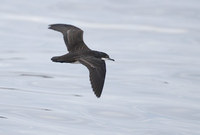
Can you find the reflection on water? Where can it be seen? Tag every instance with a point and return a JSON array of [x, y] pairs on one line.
[[152, 87], [34, 75], [2, 117]]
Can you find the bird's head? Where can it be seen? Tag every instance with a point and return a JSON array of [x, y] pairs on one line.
[[105, 56]]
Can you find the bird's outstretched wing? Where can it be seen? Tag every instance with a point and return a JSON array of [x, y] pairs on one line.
[[73, 36], [97, 69]]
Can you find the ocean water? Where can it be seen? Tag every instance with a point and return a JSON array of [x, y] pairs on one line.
[[153, 87]]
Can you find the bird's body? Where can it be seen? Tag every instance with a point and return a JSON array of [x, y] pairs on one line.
[[80, 53], [75, 56]]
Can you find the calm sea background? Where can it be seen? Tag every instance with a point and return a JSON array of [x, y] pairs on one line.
[[153, 87]]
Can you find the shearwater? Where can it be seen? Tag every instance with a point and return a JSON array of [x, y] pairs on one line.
[[79, 52]]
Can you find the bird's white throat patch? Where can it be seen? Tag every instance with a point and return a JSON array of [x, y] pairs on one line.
[[104, 58]]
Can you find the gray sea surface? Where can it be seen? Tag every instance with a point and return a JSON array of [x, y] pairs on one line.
[[153, 87]]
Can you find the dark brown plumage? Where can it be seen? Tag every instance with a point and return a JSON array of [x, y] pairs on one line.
[[79, 52]]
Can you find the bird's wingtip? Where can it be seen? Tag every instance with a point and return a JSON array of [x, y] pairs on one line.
[[56, 26], [50, 26], [98, 95]]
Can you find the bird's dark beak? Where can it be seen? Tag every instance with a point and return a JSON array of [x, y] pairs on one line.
[[111, 59]]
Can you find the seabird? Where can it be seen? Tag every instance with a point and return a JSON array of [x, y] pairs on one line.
[[79, 52]]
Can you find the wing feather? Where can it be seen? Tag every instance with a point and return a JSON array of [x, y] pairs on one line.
[[97, 69], [73, 36]]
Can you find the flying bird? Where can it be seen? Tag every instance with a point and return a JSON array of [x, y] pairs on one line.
[[79, 52]]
